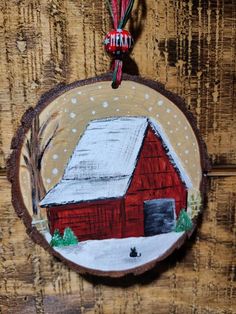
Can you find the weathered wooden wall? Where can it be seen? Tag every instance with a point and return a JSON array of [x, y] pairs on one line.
[[188, 45]]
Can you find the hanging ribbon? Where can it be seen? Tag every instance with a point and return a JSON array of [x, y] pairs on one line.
[[118, 41]]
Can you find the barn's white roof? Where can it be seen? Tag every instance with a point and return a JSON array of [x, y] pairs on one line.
[[104, 160]]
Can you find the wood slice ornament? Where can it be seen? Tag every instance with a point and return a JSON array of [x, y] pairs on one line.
[[110, 181]]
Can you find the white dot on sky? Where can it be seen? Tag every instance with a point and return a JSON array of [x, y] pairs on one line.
[[65, 110], [93, 112], [175, 116], [186, 161], [92, 98], [65, 150], [54, 171], [157, 115], [187, 137], [72, 115], [179, 144], [146, 96], [177, 129], [194, 144], [185, 127], [99, 87], [171, 131], [116, 98], [126, 97], [55, 156], [74, 130], [168, 110], [168, 122], [48, 180], [186, 151], [150, 109], [79, 92], [133, 87], [118, 110], [74, 100], [160, 102], [105, 104]]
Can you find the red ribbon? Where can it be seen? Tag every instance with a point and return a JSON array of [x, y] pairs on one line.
[[120, 11]]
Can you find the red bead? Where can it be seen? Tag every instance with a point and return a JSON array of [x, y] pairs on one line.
[[118, 41]]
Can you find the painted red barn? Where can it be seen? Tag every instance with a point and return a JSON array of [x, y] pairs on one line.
[[123, 180]]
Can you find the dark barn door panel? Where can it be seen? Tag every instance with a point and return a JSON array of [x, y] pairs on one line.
[[159, 216]]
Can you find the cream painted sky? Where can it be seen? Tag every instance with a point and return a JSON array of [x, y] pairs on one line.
[[80, 105]]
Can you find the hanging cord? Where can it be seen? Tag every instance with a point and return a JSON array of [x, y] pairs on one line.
[[118, 41]]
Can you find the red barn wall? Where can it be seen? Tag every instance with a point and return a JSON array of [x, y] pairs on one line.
[[90, 220], [154, 177]]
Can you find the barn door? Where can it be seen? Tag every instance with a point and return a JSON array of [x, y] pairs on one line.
[[159, 216]]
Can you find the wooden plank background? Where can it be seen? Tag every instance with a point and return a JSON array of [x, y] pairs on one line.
[[189, 46]]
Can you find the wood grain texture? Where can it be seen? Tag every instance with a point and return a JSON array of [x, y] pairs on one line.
[[189, 46]]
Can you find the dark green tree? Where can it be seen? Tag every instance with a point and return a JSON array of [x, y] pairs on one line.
[[57, 239], [183, 223]]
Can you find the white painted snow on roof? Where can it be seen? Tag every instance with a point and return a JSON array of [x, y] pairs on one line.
[[113, 254], [75, 191], [104, 160], [108, 148]]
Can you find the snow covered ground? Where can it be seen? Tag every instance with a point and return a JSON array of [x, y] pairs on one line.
[[113, 254]]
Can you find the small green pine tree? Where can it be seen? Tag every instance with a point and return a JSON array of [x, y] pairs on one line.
[[56, 239], [183, 223], [69, 237]]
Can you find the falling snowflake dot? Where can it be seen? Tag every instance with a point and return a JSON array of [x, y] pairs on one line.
[[116, 98], [74, 100], [79, 92], [150, 109], [179, 144], [105, 104], [194, 165], [54, 171], [146, 96], [118, 110], [194, 144], [157, 115], [168, 122], [187, 137], [186, 161], [126, 97], [168, 110], [72, 115], [65, 150], [133, 87], [74, 130], [64, 98], [93, 112], [185, 127], [48, 180], [92, 98], [175, 116], [177, 129], [99, 87], [65, 110], [186, 152], [160, 102], [55, 156], [171, 131]]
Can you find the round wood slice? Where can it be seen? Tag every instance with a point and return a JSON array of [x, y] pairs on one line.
[[116, 166]]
